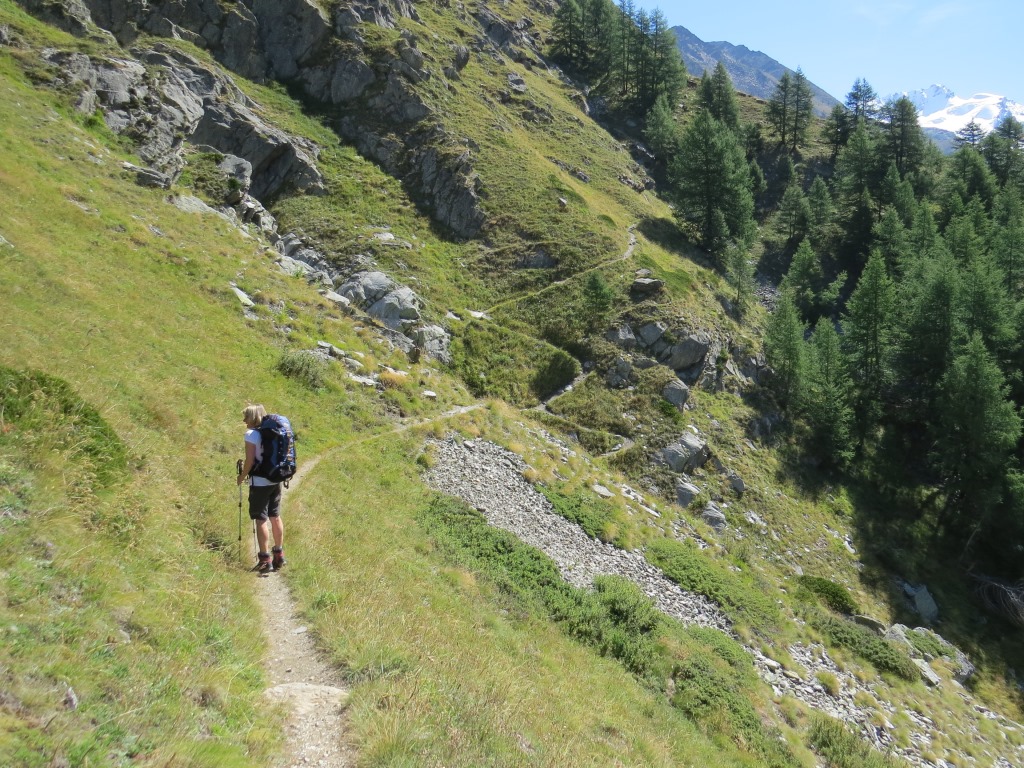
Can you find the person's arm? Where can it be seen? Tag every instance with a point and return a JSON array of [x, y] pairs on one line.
[[250, 462]]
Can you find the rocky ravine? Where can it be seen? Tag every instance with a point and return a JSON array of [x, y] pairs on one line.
[[491, 479]]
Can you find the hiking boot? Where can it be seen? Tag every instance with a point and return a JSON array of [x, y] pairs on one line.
[[278, 561], [264, 567]]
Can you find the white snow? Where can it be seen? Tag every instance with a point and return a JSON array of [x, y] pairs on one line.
[[939, 107]]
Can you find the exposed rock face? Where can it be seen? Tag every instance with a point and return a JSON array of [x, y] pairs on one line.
[[622, 337], [686, 492], [396, 306], [688, 453], [296, 41], [167, 97], [676, 393], [714, 516]]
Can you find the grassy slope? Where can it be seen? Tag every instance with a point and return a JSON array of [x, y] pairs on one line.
[[117, 292], [144, 326]]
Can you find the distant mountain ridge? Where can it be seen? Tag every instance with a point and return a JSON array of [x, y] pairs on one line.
[[752, 72], [938, 107]]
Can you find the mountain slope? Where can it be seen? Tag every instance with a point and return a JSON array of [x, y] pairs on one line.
[[752, 72], [940, 108]]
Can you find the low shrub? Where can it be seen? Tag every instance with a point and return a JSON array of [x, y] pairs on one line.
[[885, 656], [926, 644], [590, 513], [688, 567], [842, 748], [304, 367], [834, 595]]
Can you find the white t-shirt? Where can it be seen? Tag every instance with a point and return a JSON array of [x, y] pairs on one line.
[[253, 436]]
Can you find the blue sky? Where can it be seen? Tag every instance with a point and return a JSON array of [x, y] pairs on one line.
[[897, 45]]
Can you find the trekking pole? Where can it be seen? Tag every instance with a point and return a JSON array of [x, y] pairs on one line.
[[238, 470]]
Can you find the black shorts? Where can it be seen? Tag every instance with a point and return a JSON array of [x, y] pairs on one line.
[[264, 501]]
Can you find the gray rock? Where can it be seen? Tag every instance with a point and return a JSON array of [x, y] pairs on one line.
[[686, 492], [685, 354], [714, 516], [927, 673], [736, 483], [602, 491], [622, 337], [147, 177], [5, 35], [619, 374], [647, 286], [677, 393], [651, 333], [686, 454], [871, 623], [238, 172], [242, 296], [925, 604], [434, 341]]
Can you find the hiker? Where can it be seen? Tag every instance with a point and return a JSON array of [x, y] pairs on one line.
[[264, 493]]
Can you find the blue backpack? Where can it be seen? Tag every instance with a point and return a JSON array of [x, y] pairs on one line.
[[278, 461]]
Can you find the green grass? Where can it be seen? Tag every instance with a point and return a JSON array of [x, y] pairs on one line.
[[842, 748]]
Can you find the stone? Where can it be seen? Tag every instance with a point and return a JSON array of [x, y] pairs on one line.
[[242, 296], [238, 172], [688, 453], [516, 83], [429, 394], [871, 623], [338, 299], [925, 605], [602, 491], [434, 341], [677, 393], [686, 492], [927, 673], [714, 516], [394, 305], [736, 483], [647, 286], [622, 337], [147, 177], [650, 333], [619, 374], [685, 354]]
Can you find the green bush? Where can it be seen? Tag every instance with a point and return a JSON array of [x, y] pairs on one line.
[[304, 367], [688, 567], [885, 656], [842, 748], [835, 595], [926, 644], [588, 512]]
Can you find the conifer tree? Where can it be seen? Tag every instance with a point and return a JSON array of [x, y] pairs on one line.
[[785, 350], [868, 332], [861, 101], [827, 396], [660, 129], [822, 214], [904, 143], [976, 431], [891, 241], [836, 130], [1008, 238], [739, 273], [794, 213], [970, 136], [711, 183], [718, 97], [802, 110], [778, 109]]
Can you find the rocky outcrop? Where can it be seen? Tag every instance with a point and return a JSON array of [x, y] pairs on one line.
[[686, 454], [321, 51], [164, 98]]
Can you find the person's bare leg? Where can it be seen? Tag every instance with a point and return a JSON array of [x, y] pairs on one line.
[[262, 535], [277, 526]]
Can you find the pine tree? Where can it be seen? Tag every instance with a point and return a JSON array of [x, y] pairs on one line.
[[718, 97], [567, 33], [804, 281], [1008, 238], [778, 109], [868, 330], [836, 130], [970, 136], [739, 273], [784, 348], [904, 142], [856, 167], [1003, 150], [660, 129], [827, 397], [711, 183], [794, 213], [803, 109], [822, 228], [977, 429], [892, 241], [861, 101]]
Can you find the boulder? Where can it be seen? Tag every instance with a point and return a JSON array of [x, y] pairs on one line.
[[871, 623], [685, 354], [434, 341], [677, 393], [714, 516], [651, 333], [686, 492], [147, 177], [646, 286], [238, 172], [923, 603], [736, 483], [619, 374], [395, 306], [622, 337], [688, 453], [927, 673]]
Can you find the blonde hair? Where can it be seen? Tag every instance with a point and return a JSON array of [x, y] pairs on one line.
[[253, 415]]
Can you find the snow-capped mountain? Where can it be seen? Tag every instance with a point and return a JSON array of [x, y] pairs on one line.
[[938, 107]]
